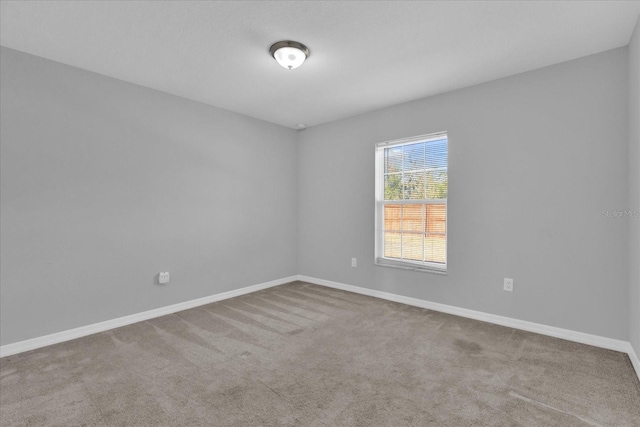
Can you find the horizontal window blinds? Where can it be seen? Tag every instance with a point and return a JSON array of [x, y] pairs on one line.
[[412, 201]]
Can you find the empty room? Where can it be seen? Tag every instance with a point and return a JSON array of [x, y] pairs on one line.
[[319, 213]]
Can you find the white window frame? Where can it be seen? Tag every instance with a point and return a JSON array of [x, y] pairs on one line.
[[380, 259]]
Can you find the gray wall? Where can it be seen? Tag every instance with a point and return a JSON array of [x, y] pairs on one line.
[[535, 159], [634, 189], [105, 183]]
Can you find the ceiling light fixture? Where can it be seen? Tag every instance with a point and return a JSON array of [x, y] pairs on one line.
[[289, 54]]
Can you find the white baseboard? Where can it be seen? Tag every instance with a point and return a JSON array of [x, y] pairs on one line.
[[634, 359], [595, 340], [58, 337], [580, 337]]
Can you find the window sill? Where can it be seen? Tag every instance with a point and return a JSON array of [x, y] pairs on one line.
[[383, 262]]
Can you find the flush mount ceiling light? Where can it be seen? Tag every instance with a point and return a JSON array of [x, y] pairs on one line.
[[289, 54]]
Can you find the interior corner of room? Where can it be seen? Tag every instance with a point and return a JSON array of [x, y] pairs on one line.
[[105, 183]]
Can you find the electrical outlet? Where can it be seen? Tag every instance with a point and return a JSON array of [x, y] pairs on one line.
[[163, 277], [354, 262], [508, 284]]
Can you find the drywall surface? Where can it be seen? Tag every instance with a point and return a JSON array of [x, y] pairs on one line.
[[105, 183], [536, 162], [634, 189]]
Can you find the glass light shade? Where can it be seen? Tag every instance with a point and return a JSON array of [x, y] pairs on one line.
[[289, 57], [289, 54]]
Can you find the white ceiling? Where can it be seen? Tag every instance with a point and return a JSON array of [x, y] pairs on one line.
[[364, 55]]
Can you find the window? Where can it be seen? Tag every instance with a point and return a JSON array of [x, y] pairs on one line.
[[411, 203]]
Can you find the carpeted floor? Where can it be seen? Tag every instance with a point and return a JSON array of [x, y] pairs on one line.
[[300, 354]]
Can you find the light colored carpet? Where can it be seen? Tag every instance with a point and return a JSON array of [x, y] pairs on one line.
[[300, 354]]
